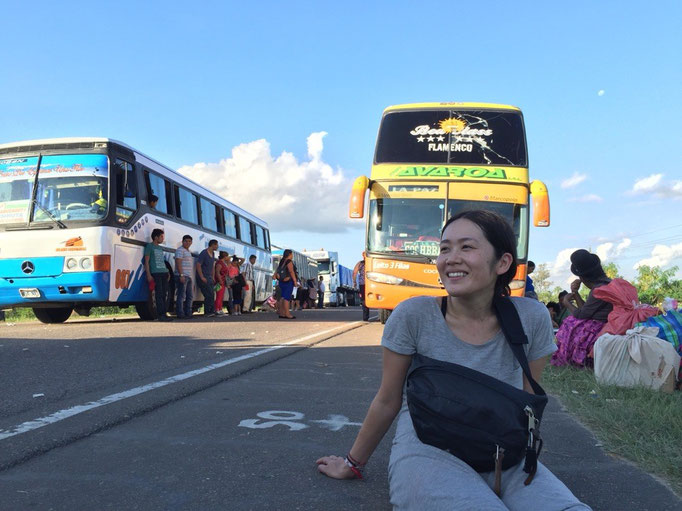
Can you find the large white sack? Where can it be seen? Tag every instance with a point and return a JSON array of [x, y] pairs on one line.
[[636, 358]]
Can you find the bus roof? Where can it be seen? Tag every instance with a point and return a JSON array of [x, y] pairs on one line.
[[453, 104], [25, 145]]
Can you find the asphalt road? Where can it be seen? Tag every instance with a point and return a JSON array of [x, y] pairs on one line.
[[224, 414]]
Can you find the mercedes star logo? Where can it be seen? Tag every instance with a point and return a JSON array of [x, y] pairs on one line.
[[27, 267]]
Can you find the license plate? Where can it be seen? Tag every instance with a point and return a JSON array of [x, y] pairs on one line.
[[30, 292]]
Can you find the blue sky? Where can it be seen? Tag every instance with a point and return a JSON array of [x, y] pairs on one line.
[[255, 98]]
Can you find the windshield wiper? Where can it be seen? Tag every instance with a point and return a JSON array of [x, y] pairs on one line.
[[56, 220], [411, 255]]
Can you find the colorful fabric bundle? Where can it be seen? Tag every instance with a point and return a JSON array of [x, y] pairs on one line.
[[575, 340], [627, 311], [670, 327]]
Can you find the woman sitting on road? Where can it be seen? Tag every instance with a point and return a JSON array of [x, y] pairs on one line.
[[477, 262], [579, 331]]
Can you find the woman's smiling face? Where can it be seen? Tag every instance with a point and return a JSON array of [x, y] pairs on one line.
[[467, 263]]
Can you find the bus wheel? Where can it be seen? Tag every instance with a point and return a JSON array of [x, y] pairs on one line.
[[55, 315], [383, 315], [145, 310]]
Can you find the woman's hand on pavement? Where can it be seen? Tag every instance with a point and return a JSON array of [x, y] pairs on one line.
[[335, 467]]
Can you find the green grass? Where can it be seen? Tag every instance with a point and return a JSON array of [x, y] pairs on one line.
[[26, 314], [641, 425]]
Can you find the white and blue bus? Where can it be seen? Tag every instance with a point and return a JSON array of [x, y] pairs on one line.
[[75, 217]]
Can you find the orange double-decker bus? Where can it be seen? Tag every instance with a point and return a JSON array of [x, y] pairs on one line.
[[433, 160]]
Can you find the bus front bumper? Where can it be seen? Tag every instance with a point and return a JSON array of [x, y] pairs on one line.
[[62, 289], [388, 296]]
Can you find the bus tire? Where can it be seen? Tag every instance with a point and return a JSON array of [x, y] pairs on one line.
[[53, 315], [146, 310], [383, 315]]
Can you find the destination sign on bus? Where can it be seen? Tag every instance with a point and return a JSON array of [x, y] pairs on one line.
[[472, 137]]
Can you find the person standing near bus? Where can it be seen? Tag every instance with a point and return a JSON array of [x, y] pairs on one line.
[[155, 267], [320, 293], [249, 289], [183, 271], [359, 272], [221, 271], [205, 267]]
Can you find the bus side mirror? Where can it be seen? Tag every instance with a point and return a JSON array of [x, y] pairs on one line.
[[357, 197], [540, 204]]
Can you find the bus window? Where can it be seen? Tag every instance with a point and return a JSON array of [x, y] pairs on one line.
[[230, 221], [158, 186], [72, 187], [478, 137], [186, 205], [209, 212], [267, 240], [408, 226], [516, 215], [126, 191], [260, 237], [245, 230]]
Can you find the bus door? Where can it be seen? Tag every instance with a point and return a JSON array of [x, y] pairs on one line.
[[128, 281]]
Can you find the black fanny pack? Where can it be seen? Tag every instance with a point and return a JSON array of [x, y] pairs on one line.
[[488, 424]]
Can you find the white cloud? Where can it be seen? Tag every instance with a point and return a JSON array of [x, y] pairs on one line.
[[601, 92], [574, 180], [560, 269], [287, 193], [610, 250], [657, 186], [590, 197], [661, 255]]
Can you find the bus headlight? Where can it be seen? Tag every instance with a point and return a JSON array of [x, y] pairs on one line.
[[517, 284], [73, 264], [382, 278]]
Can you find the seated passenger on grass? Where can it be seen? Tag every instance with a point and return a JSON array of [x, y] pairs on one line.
[[579, 331]]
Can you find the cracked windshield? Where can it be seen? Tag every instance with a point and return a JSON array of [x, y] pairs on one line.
[[69, 187], [447, 136]]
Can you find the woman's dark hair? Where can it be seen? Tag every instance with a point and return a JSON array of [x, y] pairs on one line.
[[222, 254], [287, 252], [555, 307], [499, 234]]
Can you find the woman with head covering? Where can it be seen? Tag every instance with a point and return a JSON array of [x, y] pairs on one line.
[[579, 331], [587, 267]]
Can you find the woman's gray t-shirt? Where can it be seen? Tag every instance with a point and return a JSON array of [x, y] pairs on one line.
[[417, 326]]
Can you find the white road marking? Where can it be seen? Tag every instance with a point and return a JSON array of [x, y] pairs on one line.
[[75, 410]]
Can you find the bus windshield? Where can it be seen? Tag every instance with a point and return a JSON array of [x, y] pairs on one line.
[[516, 215], [69, 187], [406, 226], [476, 137], [413, 226]]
